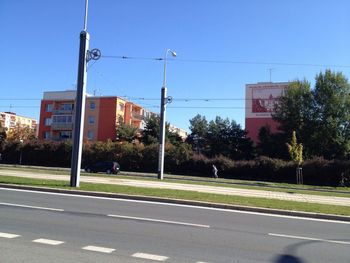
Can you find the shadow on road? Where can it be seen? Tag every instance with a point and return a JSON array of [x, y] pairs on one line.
[[288, 259]]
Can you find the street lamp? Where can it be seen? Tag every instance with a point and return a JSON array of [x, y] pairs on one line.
[[163, 101]]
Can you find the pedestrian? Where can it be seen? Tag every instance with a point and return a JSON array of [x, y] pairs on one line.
[[215, 172]]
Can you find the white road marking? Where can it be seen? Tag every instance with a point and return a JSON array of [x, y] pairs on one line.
[[33, 207], [150, 256], [159, 221], [48, 241], [310, 238], [8, 235], [182, 205], [99, 249]]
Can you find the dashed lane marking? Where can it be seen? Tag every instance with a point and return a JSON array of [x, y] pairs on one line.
[[48, 241], [33, 207], [150, 256], [310, 238], [159, 221], [8, 235], [99, 249]]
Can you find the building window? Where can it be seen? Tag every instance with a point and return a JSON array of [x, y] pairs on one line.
[[62, 119], [90, 135], [92, 105], [65, 135], [91, 119], [46, 135], [121, 107], [66, 106], [48, 121], [49, 107]]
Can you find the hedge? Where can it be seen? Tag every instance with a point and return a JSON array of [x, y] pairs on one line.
[[178, 160]]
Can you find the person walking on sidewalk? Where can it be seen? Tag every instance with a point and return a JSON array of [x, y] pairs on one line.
[[215, 172]]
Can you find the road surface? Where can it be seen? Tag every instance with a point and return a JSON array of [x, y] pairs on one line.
[[50, 227]]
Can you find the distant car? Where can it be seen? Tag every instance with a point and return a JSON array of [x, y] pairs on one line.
[[106, 167]]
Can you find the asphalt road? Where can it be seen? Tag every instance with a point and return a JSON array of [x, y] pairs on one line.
[[39, 227]]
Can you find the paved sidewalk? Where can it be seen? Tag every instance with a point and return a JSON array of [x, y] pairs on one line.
[[329, 200]]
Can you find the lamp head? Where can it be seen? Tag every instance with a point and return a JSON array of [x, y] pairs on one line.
[[173, 53]]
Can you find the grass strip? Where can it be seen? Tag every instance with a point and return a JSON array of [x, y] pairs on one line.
[[229, 183], [186, 195]]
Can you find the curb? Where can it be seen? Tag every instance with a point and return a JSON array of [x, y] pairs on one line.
[[182, 202]]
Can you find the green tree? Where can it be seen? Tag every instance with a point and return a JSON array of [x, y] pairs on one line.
[[199, 131], [320, 117], [150, 134], [271, 144], [332, 115], [223, 137], [295, 112], [127, 132]]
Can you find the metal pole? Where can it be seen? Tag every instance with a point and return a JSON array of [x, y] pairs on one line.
[[20, 153], [79, 111], [162, 122], [86, 14], [163, 102], [162, 133], [20, 157]]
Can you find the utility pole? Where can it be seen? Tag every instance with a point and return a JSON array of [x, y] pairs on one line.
[[164, 100], [78, 127]]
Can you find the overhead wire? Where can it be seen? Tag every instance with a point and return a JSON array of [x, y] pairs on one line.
[[228, 61]]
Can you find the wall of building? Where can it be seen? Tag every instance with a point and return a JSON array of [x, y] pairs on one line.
[[11, 121], [92, 112], [261, 99], [105, 115], [107, 119]]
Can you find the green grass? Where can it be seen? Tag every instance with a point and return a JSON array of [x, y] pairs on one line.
[[230, 183], [186, 195]]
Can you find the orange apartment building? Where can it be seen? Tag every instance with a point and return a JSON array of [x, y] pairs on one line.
[[102, 114]]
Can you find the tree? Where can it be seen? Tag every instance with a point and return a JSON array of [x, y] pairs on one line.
[[199, 131], [219, 137], [20, 132], [320, 117], [3, 136], [150, 134], [332, 115], [127, 132], [295, 150], [295, 112], [271, 144]]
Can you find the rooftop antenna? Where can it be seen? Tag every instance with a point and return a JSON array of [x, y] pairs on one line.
[[270, 70]]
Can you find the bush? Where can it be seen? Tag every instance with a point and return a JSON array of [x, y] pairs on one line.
[[178, 160]]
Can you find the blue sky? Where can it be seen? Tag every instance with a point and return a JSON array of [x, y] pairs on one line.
[[40, 39]]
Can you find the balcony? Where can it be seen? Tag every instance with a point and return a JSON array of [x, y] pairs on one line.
[[137, 116], [62, 126], [62, 112]]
